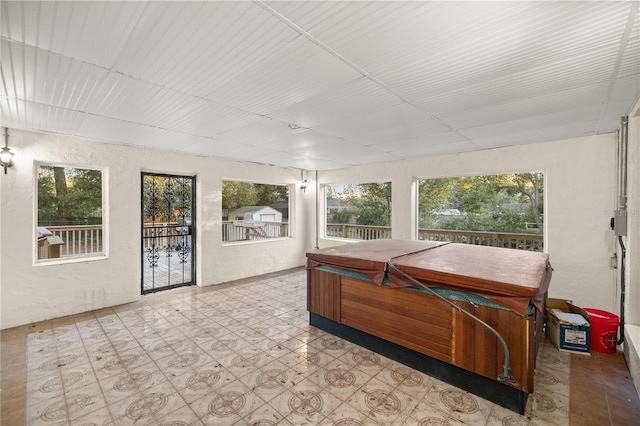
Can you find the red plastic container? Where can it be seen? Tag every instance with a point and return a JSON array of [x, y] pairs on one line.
[[604, 330]]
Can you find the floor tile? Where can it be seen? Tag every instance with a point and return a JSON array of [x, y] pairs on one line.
[[243, 353]]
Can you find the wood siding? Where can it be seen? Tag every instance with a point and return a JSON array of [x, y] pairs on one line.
[[428, 325], [478, 349], [323, 294]]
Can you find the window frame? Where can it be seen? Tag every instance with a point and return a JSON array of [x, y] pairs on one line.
[[326, 209], [416, 198], [105, 216], [290, 219]]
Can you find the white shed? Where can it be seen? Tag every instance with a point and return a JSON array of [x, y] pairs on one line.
[[256, 213]]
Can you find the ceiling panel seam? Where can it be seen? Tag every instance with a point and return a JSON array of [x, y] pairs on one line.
[[354, 66]]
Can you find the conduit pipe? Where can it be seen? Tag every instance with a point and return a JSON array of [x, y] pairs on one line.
[[506, 376], [623, 143]]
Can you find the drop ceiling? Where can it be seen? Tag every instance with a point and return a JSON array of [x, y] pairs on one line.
[[319, 85]]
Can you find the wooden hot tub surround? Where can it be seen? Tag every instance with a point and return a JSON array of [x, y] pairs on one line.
[[352, 294]]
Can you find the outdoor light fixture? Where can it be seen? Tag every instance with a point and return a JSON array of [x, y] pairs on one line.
[[6, 156], [304, 183]]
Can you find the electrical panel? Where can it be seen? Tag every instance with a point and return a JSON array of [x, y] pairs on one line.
[[620, 223]]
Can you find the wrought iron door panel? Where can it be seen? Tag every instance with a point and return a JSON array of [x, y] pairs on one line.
[[167, 231]]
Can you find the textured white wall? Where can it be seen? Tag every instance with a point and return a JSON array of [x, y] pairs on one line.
[[580, 195], [32, 293], [580, 180]]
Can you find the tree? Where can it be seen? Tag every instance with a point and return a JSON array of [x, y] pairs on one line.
[[340, 216], [60, 179], [47, 206], [69, 195], [375, 207], [373, 212], [269, 194], [531, 185], [432, 196], [238, 194], [486, 203]]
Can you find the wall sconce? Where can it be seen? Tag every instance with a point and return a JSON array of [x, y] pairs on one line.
[[6, 156], [303, 185]]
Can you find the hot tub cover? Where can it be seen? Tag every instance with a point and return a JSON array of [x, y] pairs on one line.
[[512, 278], [368, 257]]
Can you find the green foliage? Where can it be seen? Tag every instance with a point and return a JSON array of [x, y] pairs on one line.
[[500, 203], [432, 195], [69, 195], [373, 212], [370, 203], [240, 194], [342, 216]]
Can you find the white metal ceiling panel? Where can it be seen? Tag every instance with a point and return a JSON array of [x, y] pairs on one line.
[[211, 119], [196, 47], [312, 163], [258, 133], [256, 154], [299, 140], [92, 32], [586, 113], [328, 151], [541, 134], [212, 147], [129, 133], [373, 157], [395, 122], [420, 146], [289, 82], [357, 97], [49, 78], [298, 71], [521, 108], [44, 118], [123, 97]]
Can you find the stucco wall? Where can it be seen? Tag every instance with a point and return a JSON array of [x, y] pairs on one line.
[[36, 292], [580, 182], [580, 195]]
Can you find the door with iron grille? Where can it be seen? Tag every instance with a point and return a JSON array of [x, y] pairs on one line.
[[168, 219]]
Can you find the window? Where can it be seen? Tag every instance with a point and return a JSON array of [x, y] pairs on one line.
[[499, 210], [358, 211], [70, 205], [254, 211]]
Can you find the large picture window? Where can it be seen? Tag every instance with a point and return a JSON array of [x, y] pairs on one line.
[[70, 213], [358, 211], [499, 210], [254, 211]]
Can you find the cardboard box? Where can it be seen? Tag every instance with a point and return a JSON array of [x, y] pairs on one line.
[[568, 333]]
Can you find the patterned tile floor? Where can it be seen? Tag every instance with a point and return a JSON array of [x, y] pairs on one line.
[[243, 353]]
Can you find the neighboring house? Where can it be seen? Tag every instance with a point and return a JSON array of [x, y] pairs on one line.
[[256, 213], [333, 205], [282, 207]]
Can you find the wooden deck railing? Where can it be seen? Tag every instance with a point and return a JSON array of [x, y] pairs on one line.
[[358, 232], [532, 242], [78, 240], [88, 239], [234, 230]]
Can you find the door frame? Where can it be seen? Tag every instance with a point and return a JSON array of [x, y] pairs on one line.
[[191, 232]]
